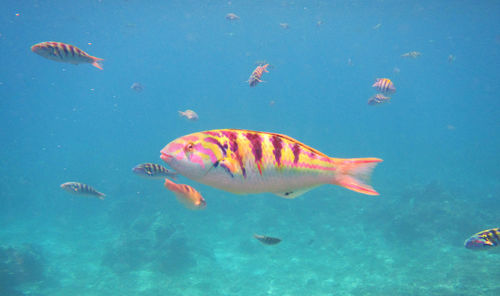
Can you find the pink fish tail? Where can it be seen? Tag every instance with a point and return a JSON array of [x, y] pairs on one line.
[[97, 62], [354, 172], [101, 196]]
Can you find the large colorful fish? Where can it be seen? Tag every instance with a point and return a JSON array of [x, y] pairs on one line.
[[484, 240], [243, 161], [256, 75], [65, 53]]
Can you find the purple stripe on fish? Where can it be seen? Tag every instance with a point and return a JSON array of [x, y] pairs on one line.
[[296, 152], [216, 142], [233, 144], [256, 142], [278, 145]]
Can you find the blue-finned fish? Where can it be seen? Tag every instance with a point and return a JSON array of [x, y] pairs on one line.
[[82, 189], [244, 161]]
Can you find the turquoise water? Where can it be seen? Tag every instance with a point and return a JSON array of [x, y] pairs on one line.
[[439, 138]]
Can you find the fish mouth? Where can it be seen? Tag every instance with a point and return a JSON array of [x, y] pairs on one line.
[[166, 157]]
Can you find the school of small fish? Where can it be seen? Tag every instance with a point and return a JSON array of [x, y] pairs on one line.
[[244, 161]]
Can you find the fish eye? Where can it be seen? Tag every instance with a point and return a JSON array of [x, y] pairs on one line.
[[189, 147]]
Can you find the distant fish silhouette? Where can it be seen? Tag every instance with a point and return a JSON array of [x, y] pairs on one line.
[[267, 240]]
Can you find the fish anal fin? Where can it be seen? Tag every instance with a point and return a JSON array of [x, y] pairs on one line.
[[293, 193]]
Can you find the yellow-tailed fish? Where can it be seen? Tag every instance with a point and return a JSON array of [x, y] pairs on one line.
[[243, 161], [186, 195], [82, 189], [484, 240]]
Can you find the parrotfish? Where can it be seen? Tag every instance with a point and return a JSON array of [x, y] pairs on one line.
[[186, 195], [244, 161], [82, 189], [65, 53], [484, 240], [153, 170], [384, 85], [256, 75], [267, 240]]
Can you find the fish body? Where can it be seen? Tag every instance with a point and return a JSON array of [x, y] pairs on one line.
[[189, 115], [378, 99], [256, 75], [232, 17], [384, 85], [484, 240], [412, 54], [82, 189], [153, 170], [285, 26], [186, 195], [244, 161], [65, 53], [136, 86], [267, 240]]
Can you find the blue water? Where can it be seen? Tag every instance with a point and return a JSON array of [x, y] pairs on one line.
[[439, 138]]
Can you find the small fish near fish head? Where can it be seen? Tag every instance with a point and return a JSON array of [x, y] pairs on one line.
[[194, 155], [186, 195]]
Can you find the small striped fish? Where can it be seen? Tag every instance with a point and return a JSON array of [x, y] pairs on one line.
[[484, 240], [256, 76], [384, 85], [378, 99], [153, 170], [267, 240], [186, 195], [82, 189], [243, 161], [65, 53]]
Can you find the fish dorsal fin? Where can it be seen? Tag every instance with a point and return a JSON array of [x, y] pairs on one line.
[[293, 193]]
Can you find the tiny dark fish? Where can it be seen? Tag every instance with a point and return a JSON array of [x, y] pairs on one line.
[[153, 170], [267, 240], [137, 87], [82, 189]]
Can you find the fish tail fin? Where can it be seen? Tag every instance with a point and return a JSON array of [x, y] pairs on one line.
[[97, 62], [101, 196], [354, 172]]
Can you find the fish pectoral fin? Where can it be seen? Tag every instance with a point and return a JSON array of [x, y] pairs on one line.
[[293, 193], [228, 165]]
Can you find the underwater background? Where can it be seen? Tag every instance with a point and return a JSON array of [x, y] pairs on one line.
[[438, 136]]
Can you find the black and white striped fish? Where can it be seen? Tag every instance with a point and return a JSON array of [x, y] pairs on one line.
[[82, 189], [153, 170]]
